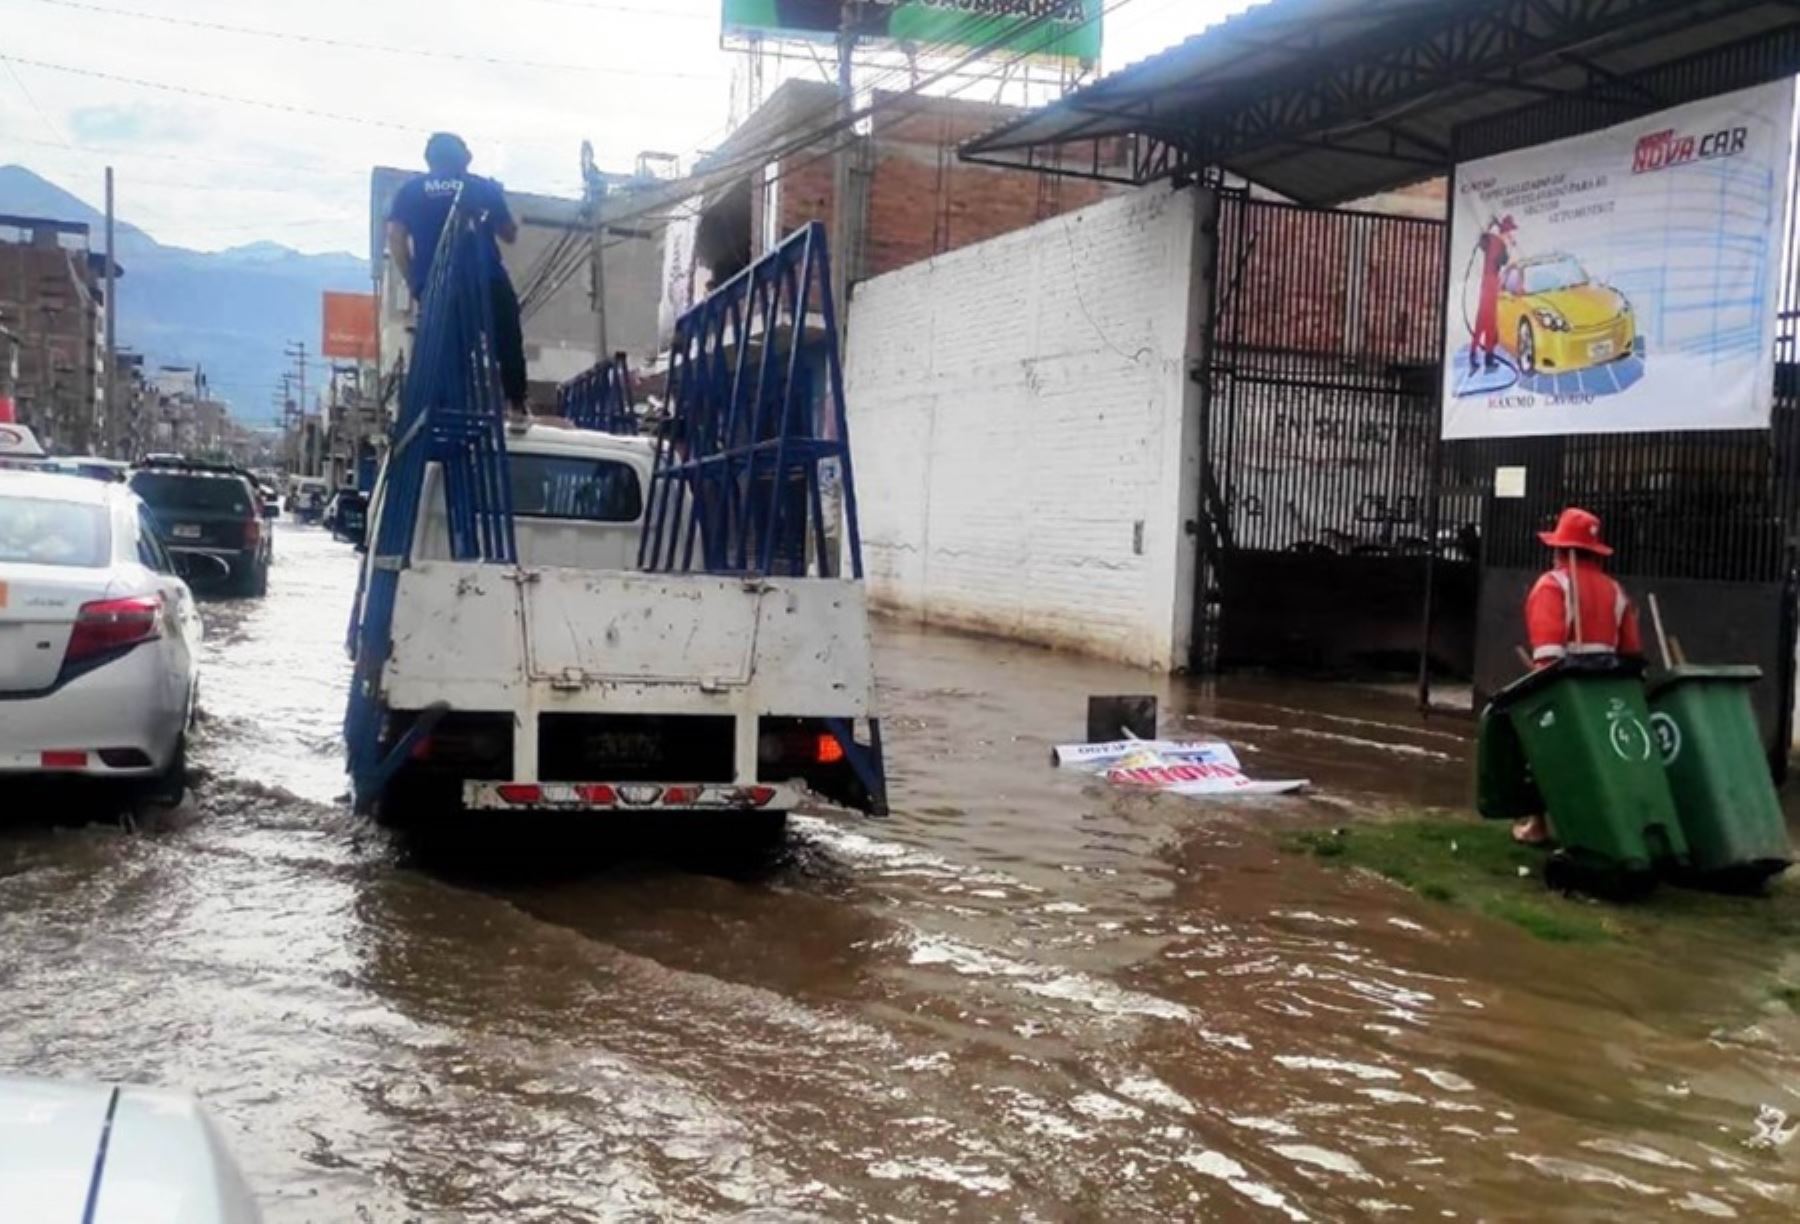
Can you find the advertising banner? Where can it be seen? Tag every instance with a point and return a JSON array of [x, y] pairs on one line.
[[1061, 29], [1622, 281], [349, 333]]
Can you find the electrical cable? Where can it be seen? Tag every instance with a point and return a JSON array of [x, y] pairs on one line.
[[351, 44], [208, 94], [776, 152], [731, 170]]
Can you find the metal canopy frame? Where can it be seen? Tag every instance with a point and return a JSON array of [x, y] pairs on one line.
[[1325, 101]]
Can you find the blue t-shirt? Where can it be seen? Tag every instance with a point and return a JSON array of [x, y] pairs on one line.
[[423, 205]]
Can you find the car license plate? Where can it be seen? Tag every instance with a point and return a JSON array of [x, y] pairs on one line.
[[1599, 350], [185, 531]]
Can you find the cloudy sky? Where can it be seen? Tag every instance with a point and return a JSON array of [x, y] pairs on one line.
[[222, 137]]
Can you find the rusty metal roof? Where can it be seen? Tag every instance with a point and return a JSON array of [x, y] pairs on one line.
[[1331, 100]]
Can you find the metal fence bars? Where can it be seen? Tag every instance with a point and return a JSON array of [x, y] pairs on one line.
[[452, 414], [756, 445], [1707, 520], [600, 399], [1318, 438], [753, 471]]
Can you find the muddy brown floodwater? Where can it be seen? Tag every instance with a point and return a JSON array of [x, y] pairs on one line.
[[1023, 997]]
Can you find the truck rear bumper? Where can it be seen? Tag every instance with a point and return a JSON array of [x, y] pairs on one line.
[[626, 796]]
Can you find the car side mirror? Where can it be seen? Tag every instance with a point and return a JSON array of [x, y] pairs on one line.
[[202, 568]]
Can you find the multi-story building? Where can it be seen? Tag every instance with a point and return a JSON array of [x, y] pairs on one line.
[[52, 301]]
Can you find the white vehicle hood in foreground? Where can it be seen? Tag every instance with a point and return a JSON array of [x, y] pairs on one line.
[[98, 1154]]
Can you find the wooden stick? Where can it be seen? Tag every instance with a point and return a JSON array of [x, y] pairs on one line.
[[1524, 657], [1662, 637], [1680, 654], [1574, 598]]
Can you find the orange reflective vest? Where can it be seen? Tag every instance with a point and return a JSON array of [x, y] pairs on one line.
[[1580, 612]]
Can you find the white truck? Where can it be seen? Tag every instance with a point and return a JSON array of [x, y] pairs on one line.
[[573, 681]]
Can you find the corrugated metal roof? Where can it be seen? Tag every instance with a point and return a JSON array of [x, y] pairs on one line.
[[1331, 100]]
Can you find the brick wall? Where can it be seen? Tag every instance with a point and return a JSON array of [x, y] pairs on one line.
[[1022, 423], [921, 200]]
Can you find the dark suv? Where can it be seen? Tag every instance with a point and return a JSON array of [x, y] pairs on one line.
[[210, 509]]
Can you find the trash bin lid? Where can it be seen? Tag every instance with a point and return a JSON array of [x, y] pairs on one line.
[[1609, 665], [1687, 673]]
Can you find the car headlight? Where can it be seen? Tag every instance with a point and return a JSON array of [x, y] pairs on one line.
[[1550, 319]]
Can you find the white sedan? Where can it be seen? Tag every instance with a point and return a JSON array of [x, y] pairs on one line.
[[105, 1154], [99, 636]]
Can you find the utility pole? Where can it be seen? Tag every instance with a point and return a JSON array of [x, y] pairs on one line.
[[843, 238], [595, 190], [297, 350], [113, 423]]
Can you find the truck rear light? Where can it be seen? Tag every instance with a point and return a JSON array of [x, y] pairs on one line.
[[681, 796], [828, 750], [640, 796], [109, 625], [758, 796], [521, 794], [598, 796], [63, 759]]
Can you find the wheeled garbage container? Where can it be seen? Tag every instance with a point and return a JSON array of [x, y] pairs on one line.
[[1574, 741], [1712, 750]]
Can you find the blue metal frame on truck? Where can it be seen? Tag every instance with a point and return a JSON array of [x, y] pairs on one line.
[[745, 458], [452, 414], [600, 399]]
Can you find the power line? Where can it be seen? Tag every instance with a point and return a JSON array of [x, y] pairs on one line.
[[351, 44], [50, 127], [208, 94], [775, 152]]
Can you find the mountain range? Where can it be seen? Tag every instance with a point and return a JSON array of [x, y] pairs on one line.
[[232, 312]]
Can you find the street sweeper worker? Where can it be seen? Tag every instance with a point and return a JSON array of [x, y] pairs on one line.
[[1576, 608]]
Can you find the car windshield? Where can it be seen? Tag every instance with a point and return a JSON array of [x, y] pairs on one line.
[[174, 491], [1553, 274], [590, 490], [39, 531]]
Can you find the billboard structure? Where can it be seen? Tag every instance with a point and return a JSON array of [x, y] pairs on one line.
[[1623, 281], [1052, 29], [349, 331]]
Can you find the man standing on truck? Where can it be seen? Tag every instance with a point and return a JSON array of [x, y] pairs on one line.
[[416, 222]]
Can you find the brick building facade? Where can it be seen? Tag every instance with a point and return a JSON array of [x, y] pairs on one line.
[[913, 196], [52, 300]]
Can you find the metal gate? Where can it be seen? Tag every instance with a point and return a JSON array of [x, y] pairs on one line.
[[1318, 442], [1707, 521]]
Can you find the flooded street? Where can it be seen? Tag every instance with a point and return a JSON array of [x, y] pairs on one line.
[[1025, 996]]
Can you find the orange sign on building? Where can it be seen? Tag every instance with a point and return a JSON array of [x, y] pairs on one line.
[[349, 327]]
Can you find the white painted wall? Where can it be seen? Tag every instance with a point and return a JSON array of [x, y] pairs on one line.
[[1024, 430]]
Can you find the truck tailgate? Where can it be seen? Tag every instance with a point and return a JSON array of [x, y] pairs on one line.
[[645, 627], [485, 637]]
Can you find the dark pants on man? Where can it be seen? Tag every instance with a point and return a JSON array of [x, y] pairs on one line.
[[509, 342]]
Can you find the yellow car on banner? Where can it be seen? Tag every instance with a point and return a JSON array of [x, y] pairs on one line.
[[1554, 318]]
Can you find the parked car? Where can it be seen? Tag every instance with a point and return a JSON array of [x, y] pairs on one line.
[[106, 1154], [99, 636], [307, 501], [347, 517], [94, 467], [212, 510], [19, 449]]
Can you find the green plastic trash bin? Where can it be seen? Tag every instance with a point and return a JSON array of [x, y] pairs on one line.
[[1583, 732], [1712, 749]]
